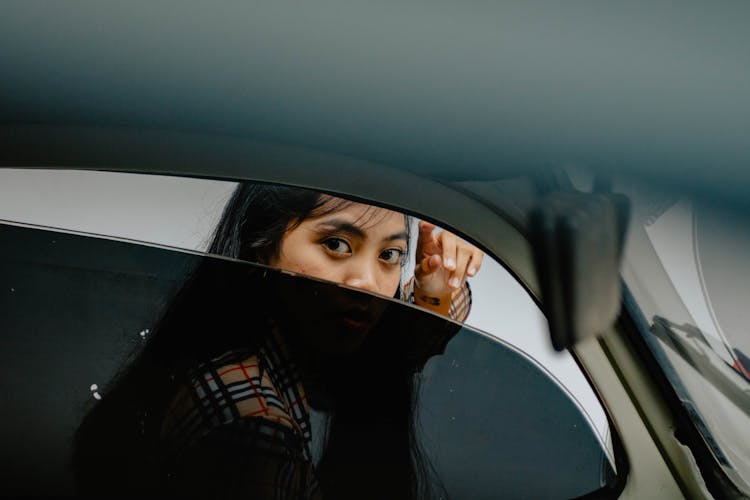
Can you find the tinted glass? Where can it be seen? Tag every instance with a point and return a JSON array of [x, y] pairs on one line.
[[76, 310], [184, 212]]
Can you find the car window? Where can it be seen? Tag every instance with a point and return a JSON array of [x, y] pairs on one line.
[[685, 267], [172, 211], [492, 396]]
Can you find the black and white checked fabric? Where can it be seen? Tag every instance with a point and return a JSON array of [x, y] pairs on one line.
[[242, 424]]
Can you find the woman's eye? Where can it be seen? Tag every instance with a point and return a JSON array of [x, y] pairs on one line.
[[337, 245], [391, 256]]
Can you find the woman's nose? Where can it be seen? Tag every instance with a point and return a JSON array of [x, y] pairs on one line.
[[362, 277]]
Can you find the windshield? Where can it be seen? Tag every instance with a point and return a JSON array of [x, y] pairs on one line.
[[687, 274]]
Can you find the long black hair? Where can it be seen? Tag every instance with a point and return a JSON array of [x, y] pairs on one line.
[[371, 446]]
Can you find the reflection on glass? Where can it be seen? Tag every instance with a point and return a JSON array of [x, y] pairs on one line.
[[219, 401], [685, 266], [247, 380], [182, 212], [244, 389]]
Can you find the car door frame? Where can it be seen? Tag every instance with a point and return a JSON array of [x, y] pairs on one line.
[[639, 413]]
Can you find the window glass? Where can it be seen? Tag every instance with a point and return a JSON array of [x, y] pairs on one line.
[[183, 212], [486, 408], [172, 211], [686, 272]]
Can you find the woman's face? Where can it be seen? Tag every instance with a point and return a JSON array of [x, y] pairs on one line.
[[359, 245]]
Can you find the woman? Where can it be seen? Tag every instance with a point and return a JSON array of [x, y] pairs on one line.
[[286, 221], [219, 403]]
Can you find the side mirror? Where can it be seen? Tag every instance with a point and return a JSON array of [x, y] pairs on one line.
[[578, 240]]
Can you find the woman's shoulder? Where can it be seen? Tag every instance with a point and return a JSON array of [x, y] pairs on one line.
[[253, 392], [232, 433], [232, 389]]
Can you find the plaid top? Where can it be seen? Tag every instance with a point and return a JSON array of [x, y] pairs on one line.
[[242, 427]]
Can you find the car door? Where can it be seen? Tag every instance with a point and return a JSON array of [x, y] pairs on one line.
[[499, 412]]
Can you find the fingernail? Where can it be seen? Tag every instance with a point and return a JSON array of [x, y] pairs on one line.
[[450, 264], [454, 282], [472, 271]]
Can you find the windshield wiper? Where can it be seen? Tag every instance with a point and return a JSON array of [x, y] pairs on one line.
[[692, 345]]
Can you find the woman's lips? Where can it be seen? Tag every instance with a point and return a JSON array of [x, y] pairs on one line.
[[358, 319], [356, 324]]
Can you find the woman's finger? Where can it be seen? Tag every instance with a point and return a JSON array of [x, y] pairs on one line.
[[448, 242], [428, 265], [426, 228], [475, 262], [464, 253], [426, 242]]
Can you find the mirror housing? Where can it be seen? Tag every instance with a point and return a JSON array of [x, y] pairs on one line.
[[578, 240]]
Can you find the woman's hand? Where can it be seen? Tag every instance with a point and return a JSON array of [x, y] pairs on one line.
[[443, 263]]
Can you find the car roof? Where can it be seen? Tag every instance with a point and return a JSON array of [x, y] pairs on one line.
[[455, 91]]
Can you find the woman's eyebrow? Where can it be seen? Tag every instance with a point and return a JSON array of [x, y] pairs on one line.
[[401, 235], [344, 226]]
